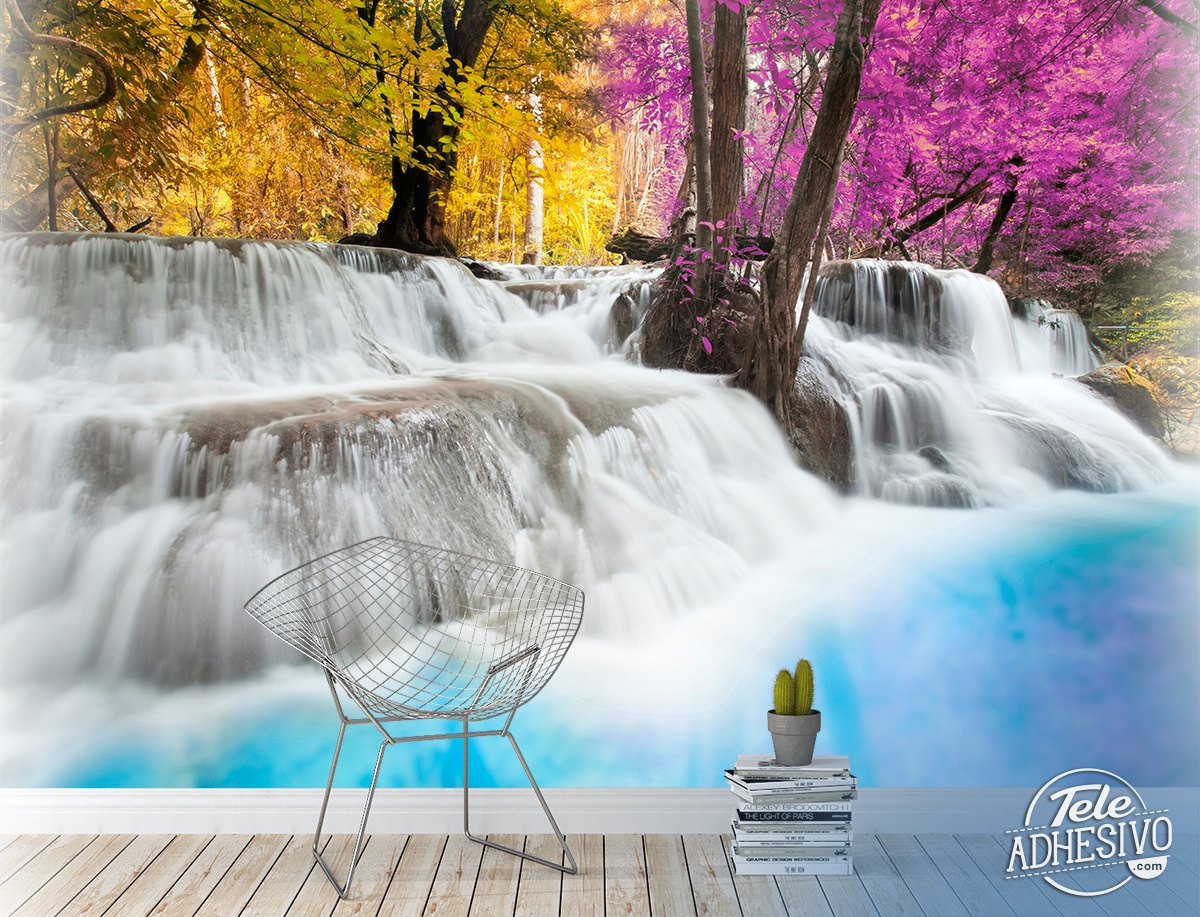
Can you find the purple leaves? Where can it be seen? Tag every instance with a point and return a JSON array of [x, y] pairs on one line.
[[1097, 109]]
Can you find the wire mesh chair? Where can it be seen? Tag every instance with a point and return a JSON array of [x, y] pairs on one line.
[[409, 632]]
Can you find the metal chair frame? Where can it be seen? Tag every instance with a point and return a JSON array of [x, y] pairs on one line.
[[280, 603]]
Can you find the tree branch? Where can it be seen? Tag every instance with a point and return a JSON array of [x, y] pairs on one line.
[[1154, 6], [987, 251], [109, 225], [102, 63], [936, 216]]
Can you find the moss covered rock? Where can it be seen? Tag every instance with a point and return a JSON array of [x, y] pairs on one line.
[[1131, 393]]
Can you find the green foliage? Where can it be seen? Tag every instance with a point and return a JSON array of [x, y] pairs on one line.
[[1167, 324], [804, 687], [1159, 302], [785, 694]]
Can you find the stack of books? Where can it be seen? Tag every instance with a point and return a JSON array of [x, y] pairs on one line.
[[793, 821]]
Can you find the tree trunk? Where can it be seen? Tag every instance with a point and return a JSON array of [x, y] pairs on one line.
[[214, 91], [416, 220], [499, 204], [773, 352], [987, 251], [729, 110], [700, 146], [533, 203]]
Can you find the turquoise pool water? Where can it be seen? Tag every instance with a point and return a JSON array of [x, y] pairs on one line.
[[988, 648]]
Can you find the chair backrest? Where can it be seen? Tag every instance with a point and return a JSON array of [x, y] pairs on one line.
[[416, 631]]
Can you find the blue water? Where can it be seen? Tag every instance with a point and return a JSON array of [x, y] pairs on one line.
[[989, 648]]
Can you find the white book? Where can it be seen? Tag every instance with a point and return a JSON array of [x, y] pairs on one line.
[[747, 840], [830, 810], [842, 793], [821, 766], [785, 827], [757, 783], [746, 844], [807, 854], [757, 867]]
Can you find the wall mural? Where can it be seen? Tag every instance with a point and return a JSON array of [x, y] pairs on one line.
[[1009, 590]]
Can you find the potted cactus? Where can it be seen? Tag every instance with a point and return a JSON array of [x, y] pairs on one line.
[[793, 722]]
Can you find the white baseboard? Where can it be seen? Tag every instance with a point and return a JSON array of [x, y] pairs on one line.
[[579, 811]]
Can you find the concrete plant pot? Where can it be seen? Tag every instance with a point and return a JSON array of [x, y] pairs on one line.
[[794, 737]]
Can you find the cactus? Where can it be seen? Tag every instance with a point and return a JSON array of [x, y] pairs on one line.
[[804, 687], [794, 693], [785, 694]]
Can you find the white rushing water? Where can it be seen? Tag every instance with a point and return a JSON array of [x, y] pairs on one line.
[[958, 404], [183, 420]]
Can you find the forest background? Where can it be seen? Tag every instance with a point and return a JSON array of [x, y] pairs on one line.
[[1051, 145]]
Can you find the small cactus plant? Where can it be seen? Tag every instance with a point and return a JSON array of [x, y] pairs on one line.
[[793, 723], [785, 693], [794, 693], [804, 687]]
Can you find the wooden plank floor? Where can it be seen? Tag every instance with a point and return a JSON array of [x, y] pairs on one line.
[[621, 875]]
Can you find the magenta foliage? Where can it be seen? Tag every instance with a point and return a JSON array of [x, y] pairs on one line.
[[1088, 107]]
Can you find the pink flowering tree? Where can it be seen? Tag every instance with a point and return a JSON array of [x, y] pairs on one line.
[[1044, 143]]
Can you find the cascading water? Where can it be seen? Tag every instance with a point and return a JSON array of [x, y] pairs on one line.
[[1065, 347], [953, 403], [184, 420]]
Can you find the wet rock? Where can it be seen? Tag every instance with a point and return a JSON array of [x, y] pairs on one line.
[[936, 458], [1131, 393], [448, 426], [481, 270], [819, 428], [1060, 456], [218, 428], [621, 318]]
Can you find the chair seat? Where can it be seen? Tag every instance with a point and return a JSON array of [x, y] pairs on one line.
[[420, 632]]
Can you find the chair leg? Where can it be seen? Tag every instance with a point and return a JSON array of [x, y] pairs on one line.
[[570, 870], [344, 890]]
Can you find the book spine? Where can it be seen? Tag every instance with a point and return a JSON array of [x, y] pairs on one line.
[[791, 869], [775, 827], [795, 787], [783, 846], [770, 797], [754, 828], [793, 840], [804, 854], [756, 782], [755, 798], [801, 856], [842, 856], [795, 813], [752, 776]]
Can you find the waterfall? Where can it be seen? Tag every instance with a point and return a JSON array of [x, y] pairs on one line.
[[183, 420], [956, 404], [1065, 347]]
